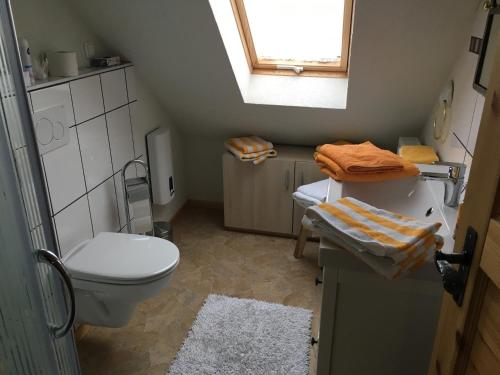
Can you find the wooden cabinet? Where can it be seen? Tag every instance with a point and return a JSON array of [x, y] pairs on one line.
[[306, 172], [259, 197], [371, 325]]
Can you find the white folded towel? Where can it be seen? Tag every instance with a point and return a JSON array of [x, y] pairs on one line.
[[317, 190], [311, 194], [305, 200]]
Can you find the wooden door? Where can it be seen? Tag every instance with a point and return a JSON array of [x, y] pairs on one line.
[[258, 197], [485, 354], [306, 172], [467, 337]]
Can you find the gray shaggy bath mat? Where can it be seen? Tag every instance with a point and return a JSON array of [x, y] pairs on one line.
[[233, 336]]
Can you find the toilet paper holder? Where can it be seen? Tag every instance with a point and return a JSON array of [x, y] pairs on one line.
[[130, 182]]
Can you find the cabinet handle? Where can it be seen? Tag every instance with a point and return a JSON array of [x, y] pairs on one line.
[[287, 180]]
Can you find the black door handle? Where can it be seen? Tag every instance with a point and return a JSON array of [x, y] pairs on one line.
[[454, 281]]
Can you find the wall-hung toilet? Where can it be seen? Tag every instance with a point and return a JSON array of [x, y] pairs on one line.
[[114, 272]]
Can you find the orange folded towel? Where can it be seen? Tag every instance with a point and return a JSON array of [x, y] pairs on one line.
[[363, 162]]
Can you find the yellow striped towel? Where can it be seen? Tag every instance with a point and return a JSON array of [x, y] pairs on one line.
[[250, 144], [253, 149], [392, 244]]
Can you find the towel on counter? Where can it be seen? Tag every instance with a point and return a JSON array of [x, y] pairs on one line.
[[252, 148], [311, 194], [392, 244], [363, 162], [418, 154], [305, 201]]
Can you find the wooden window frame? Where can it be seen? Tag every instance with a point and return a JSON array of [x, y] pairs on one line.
[[256, 66]]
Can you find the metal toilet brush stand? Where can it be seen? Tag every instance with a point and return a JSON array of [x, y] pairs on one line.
[[160, 229], [128, 184]]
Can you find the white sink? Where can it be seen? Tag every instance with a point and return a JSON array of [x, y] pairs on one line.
[[411, 196]]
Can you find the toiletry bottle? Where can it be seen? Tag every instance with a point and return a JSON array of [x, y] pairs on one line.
[[24, 50]]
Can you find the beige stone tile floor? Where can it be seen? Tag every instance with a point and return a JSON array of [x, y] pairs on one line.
[[213, 260]]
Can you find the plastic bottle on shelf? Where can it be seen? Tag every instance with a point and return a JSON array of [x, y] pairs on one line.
[[24, 50]]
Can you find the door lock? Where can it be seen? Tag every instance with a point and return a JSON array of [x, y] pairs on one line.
[[454, 281]]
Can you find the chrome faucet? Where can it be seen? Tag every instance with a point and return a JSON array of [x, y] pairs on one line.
[[453, 181]]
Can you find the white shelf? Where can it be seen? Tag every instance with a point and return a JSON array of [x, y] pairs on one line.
[[83, 72]]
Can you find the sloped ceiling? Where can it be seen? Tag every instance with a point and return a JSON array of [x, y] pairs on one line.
[[401, 55]]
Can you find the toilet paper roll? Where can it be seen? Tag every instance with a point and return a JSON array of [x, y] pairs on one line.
[[63, 64]]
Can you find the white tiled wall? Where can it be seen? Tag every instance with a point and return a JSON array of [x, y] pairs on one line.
[[120, 137], [84, 176], [464, 115]]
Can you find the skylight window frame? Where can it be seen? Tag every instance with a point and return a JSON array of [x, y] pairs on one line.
[[285, 67]]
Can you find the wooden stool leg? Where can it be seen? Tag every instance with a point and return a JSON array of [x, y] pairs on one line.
[[301, 241]]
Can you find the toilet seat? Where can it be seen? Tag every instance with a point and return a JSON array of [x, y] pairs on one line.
[[117, 258]]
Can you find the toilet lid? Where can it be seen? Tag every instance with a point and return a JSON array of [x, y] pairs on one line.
[[118, 258]]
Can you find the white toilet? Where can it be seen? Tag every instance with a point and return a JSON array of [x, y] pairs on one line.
[[114, 272]]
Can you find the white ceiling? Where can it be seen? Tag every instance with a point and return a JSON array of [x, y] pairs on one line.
[[401, 55]]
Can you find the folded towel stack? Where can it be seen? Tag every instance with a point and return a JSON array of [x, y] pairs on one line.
[[392, 244], [418, 154], [311, 194], [252, 148], [362, 163]]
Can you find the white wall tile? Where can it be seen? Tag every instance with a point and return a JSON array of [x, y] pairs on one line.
[[476, 122], [131, 83], [119, 197], [141, 172], [94, 146], [87, 98], [103, 208], [465, 96], [120, 137], [73, 225], [53, 96], [137, 130], [114, 89], [63, 168]]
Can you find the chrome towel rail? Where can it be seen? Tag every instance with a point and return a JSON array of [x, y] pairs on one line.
[[50, 258]]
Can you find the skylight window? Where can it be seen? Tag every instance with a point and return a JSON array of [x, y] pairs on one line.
[[295, 36]]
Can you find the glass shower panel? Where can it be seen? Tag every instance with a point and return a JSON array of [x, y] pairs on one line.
[[31, 220]]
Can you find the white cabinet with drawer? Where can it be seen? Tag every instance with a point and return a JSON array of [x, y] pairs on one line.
[[259, 197]]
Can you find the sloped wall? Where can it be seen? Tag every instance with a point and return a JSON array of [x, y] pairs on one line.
[[464, 116], [52, 25], [401, 54]]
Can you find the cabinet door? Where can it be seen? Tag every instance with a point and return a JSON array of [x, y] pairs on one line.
[[238, 192], [273, 203], [306, 172], [258, 197]]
